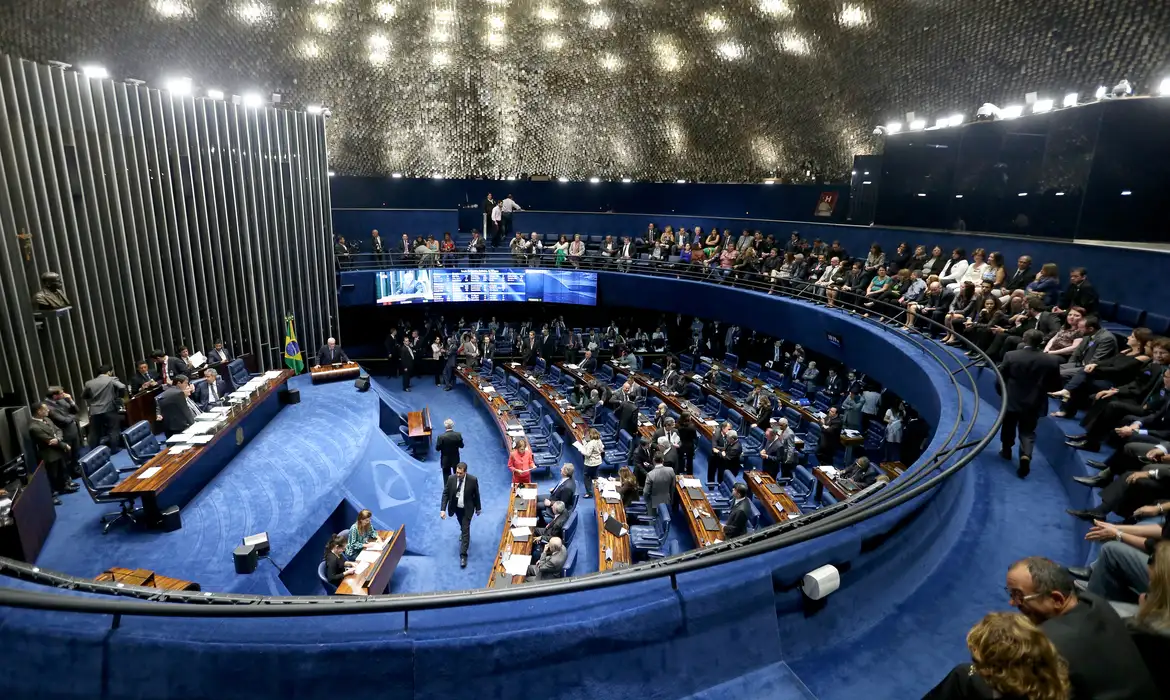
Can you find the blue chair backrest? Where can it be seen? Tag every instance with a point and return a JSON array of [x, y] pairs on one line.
[[570, 562], [754, 517], [714, 405], [656, 370], [571, 527], [619, 380], [753, 369], [541, 365], [487, 366], [731, 360], [694, 392], [702, 368], [237, 373], [728, 480], [197, 385], [793, 417], [102, 473], [140, 442], [773, 377], [605, 373], [686, 361], [723, 379], [554, 374], [558, 444], [673, 414], [526, 396], [498, 376], [325, 579], [624, 440], [547, 423], [757, 433], [514, 383], [804, 476]]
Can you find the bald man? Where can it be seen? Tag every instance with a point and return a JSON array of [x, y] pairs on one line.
[[331, 353]]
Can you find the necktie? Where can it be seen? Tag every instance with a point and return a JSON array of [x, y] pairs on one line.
[[211, 392], [459, 493]]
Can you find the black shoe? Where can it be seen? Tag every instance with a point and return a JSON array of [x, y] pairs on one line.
[[1088, 515], [1097, 481], [1080, 572], [1025, 467], [1078, 438], [1006, 453], [1086, 446], [588, 494], [406, 389], [1096, 464], [71, 488], [462, 561], [56, 501]]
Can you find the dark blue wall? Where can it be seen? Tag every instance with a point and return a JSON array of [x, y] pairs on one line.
[[796, 202], [1123, 274]]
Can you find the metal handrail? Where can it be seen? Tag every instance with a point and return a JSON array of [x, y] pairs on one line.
[[924, 476]]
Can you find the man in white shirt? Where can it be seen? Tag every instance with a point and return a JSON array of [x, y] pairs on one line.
[[507, 208], [497, 226]]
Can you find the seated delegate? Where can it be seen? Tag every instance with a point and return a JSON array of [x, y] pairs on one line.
[[361, 534], [336, 567]]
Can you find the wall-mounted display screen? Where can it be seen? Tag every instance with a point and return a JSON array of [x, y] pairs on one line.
[[487, 284]]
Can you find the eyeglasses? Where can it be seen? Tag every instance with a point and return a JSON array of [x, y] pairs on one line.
[[1018, 596]]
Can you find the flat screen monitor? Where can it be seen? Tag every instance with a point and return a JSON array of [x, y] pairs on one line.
[[438, 285]]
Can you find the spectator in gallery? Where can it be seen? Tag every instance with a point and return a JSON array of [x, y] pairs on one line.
[[576, 251], [952, 271], [1046, 285], [535, 249], [1080, 292], [447, 248], [561, 250]]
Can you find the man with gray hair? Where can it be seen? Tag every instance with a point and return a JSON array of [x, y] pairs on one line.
[[448, 445], [669, 453], [211, 391], [1103, 661], [551, 563], [331, 353]]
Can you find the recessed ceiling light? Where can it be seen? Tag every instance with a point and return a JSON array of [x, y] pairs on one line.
[[553, 41], [714, 22], [1070, 100], [778, 8], [385, 10], [1042, 106], [681, 182], [252, 11], [918, 125], [440, 58], [853, 16], [730, 50], [496, 21], [379, 42], [178, 86], [252, 100], [215, 94], [331, 173], [396, 175], [627, 179], [1011, 111], [893, 127], [322, 21], [313, 109], [595, 180], [173, 8], [599, 19], [95, 72], [562, 179], [793, 43], [547, 14], [1126, 193], [610, 62], [310, 49]]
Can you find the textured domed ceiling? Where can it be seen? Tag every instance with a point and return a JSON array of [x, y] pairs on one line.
[[649, 89]]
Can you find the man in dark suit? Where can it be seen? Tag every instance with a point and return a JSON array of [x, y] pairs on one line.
[[103, 394], [772, 453], [1103, 661], [1080, 292], [732, 452], [530, 348], [461, 499], [830, 441], [589, 364], [1022, 276], [668, 453], [554, 529], [548, 346], [166, 368], [741, 512], [450, 362], [489, 226], [1028, 376], [406, 362], [51, 449], [218, 355], [628, 417], [564, 492], [330, 353], [63, 414], [211, 391], [393, 351], [448, 445], [143, 379], [176, 410]]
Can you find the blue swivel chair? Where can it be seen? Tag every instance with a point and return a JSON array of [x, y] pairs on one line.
[[752, 369], [731, 360], [672, 548], [570, 563], [571, 528], [644, 538], [140, 443], [329, 587], [686, 362], [100, 476], [237, 373]]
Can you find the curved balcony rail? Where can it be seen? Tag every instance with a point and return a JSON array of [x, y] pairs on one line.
[[944, 460]]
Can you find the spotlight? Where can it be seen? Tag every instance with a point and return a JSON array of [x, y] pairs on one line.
[[680, 182], [956, 120], [958, 196], [1164, 87], [313, 109], [1122, 89], [595, 180], [1042, 106], [921, 194], [215, 94], [1060, 194], [769, 182], [1011, 111], [987, 113], [562, 179], [178, 86], [331, 173], [893, 127], [1100, 92], [1126, 193], [942, 122], [396, 176], [511, 177], [879, 131], [1022, 194], [1070, 100], [437, 176], [918, 125], [253, 100], [627, 179], [96, 72]]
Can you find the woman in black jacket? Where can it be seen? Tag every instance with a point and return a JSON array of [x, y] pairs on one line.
[[336, 567], [687, 437]]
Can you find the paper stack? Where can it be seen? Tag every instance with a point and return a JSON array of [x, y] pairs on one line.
[[528, 494], [524, 522], [517, 564], [368, 556], [149, 472], [179, 438], [691, 483]]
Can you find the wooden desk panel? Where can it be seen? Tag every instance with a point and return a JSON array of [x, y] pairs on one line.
[[498, 407], [329, 373], [680, 404], [509, 546], [141, 407], [383, 569], [32, 517], [619, 546], [551, 395], [145, 578], [172, 466], [703, 536], [829, 484], [780, 507], [892, 470], [418, 423]]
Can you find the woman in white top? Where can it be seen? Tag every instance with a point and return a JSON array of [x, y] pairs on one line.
[[954, 269], [893, 445], [973, 272], [592, 450]]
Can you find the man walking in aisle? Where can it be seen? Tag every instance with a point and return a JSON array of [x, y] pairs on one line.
[[461, 500]]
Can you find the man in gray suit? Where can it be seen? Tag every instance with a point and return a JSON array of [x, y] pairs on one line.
[[551, 563], [104, 394], [659, 485], [1098, 345]]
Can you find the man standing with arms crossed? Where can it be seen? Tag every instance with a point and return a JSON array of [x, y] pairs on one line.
[[461, 499]]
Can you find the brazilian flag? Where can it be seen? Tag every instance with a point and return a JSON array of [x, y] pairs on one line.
[[292, 350]]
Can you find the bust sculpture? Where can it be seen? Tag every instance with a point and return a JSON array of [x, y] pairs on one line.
[[52, 293]]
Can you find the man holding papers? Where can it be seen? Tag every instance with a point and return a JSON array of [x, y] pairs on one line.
[[461, 500]]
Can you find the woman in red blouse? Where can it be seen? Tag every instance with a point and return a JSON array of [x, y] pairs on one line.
[[447, 247], [521, 464]]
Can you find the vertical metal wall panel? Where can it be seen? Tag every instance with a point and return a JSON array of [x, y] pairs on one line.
[[172, 219]]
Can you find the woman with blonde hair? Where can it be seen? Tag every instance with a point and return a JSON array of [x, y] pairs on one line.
[[1154, 605], [1011, 659]]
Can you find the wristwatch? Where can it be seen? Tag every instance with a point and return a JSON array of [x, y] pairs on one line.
[[1118, 537]]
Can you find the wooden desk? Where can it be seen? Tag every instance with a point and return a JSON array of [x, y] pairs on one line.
[[829, 484], [892, 470], [619, 546], [333, 373], [574, 421], [180, 477], [379, 573], [32, 517], [680, 404], [418, 423], [780, 506], [141, 407], [517, 507], [703, 536], [498, 407], [145, 578]]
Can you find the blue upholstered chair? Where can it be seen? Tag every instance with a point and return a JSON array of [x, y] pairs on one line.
[[644, 538], [752, 369], [731, 360], [672, 548], [570, 562], [686, 362], [570, 528], [329, 587], [485, 368], [140, 443], [237, 373], [100, 476]]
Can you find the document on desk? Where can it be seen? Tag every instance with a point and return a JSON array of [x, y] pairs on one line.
[[179, 438], [360, 568], [273, 374], [711, 422], [829, 472], [487, 389], [571, 366], [524, 522], [517, 564], [203, 424], [201, 439], [691, 483], [849, 432], [518, 532], [150, 472], [209, 417], [178, 449], [527, 494], [368, 556], [516, 433]]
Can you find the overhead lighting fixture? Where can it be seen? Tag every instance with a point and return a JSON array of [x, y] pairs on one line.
[[627, 179], [867, 182], [323, 21], [253, 100], [172, 8], [1070, 100], [599, 20], [547, 14], [1042, 106], [893, 127], [714, 22], [553, 41], [853, 16], [958, 196], [610, 62], [510, 178], [1101, 92], [379, 57], [215, 94], [942, 122], [331, 173], [562, 179], [595, 180], [440, 58], [396, 176], [437, 176], [730, 50], [1126, 193], [918, 125], [776, 8], [178, 86], [956, 120], [1022, 194], [1060, 194], [95, 72], [1164, 87], [681, 182], [921, 194], [794, 43], [1011, 111], [496, 21], [252, 12], [314, 109], [385, 10]]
